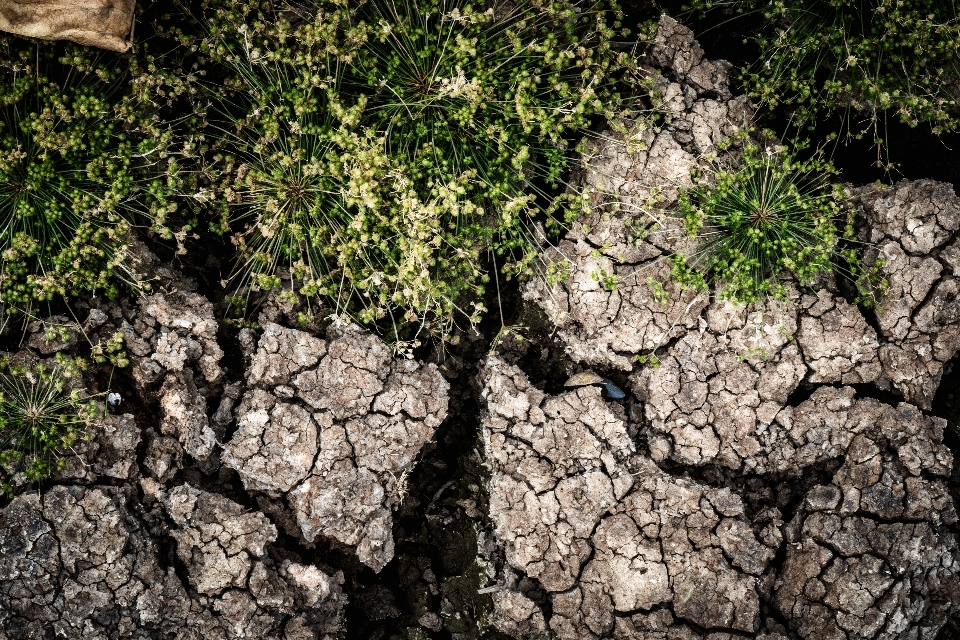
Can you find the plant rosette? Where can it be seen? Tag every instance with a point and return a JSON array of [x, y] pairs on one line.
[[775, 217], [43, 415]]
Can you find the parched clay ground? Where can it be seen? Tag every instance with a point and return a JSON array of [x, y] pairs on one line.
[[132, 545], [775, 473], [334, 427], [613, 546]]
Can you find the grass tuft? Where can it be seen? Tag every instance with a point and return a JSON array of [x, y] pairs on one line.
[[41, 418], [381, 154], [774, 217]]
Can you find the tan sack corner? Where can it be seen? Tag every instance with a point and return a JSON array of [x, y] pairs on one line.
[[107, 24]]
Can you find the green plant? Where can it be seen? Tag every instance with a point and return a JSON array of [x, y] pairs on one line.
[[41, 417], [660, 294], [821, 56], [110, 349], [607, 280], [380, 151], [78, 165], [773, 216], [650, 359]]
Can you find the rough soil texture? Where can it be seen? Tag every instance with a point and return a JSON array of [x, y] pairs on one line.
[[778, 475], [78, 563], [173, 345], [912, 229], [335, 426], [619, 548], [720, 394]]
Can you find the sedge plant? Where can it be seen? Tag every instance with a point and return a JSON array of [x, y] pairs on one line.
[[381, 152], [872, 57], [82, 161], [774, 218], [41, 418]]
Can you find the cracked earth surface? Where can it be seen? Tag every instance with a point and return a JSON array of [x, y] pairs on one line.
[[600, 526], [777, 474]]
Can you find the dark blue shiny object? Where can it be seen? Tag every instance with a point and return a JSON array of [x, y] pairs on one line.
[[612, 391]]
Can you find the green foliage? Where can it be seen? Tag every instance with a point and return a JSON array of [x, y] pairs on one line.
[[110, 350], [41, 418], [873, 55], [79, 162], [379, 151], [607, 280], [774, 216], [63, 164]]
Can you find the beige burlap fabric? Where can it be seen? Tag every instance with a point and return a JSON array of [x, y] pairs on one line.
[[107, 24]]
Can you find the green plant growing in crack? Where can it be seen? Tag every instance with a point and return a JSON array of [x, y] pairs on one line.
[[829, 56], [381, 152], [41, 418], [773, 217]]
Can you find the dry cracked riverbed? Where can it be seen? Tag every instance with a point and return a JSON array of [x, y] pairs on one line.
[[776, 471]]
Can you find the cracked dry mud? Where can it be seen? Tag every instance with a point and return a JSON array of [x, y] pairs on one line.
[[335, 426], [615, 547], [777, 475], [609, 525], [131, 546], [77, 563], [641, 174]]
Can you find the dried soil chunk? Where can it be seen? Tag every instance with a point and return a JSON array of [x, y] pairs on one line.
[[187, 332], [163, 458], [720, 395], [111, 451], [597, 319], [283, 353], [107, 24], [183, 414], [880, 561], [837, 343], [75, 564], [911, 228], [517, 615], [216, 538], [275, 443], [674, 48], [118, 437], [335, 426], [716, 391], [173, 343], [600, 528], [348, 379]]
